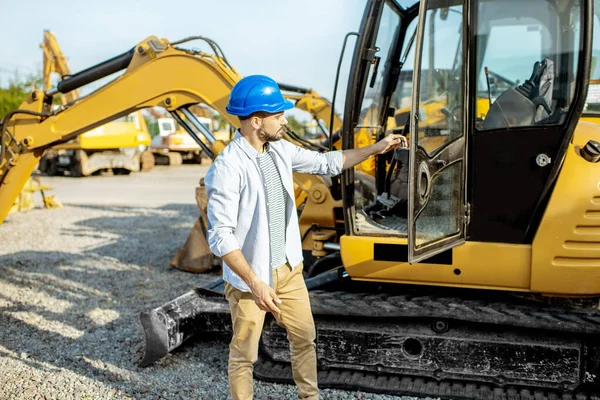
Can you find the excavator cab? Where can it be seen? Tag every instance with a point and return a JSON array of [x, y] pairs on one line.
[[485, 149]]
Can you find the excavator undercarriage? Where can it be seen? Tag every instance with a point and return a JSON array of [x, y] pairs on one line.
[[426, 342]]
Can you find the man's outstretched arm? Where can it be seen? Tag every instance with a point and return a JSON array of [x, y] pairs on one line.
[[355, 156]]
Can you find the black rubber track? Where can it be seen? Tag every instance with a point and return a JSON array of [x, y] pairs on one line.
[[408, 386], [507, 312], [501, 310]]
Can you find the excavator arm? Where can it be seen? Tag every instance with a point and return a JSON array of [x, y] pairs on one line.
[[157, 73]]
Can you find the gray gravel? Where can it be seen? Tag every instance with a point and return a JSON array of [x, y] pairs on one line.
[[72, 284]]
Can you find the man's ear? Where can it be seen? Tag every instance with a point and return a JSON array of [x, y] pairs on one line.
[[255, 122]]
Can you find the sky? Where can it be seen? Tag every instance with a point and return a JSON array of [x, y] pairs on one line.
[[295, 42]]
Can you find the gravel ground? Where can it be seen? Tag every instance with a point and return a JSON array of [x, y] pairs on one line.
[[72, 284]]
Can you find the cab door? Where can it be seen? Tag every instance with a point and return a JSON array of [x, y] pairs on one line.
[[438, 212], [374, 73]]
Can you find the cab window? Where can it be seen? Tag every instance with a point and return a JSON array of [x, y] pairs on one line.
[[518, 63]]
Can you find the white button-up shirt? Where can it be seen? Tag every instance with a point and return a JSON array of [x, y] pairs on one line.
[[237, 202]]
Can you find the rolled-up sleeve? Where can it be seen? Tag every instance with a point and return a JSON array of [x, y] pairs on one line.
[[313, 162], [223, 192]]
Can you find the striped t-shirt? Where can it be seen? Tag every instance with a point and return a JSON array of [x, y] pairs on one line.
[[276, 206]]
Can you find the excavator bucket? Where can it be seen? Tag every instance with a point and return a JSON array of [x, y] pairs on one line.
[[195, 255], [200, 312], [51, 202]]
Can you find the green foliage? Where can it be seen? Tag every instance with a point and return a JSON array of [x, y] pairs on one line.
[[152, 126], [12, 96], [220, 122], [17, 91], [295, 124]]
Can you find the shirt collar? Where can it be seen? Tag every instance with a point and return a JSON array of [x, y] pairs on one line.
[[248, 149]]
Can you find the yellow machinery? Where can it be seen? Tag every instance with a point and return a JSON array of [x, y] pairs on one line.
[[321, 110], [147, 62], [35, 127], [85, 114], [171, 144], [473, 268], [119, 146], [25, 201], [314, 104]]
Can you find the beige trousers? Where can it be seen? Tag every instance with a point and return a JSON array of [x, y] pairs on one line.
[[295, 316]]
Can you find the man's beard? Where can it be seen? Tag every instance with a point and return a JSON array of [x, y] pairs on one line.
[[267, 137]]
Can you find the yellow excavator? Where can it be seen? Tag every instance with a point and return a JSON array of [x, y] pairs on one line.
[[483, 280], [473, 269], [149, 59], [170, 144], [319, 108], [119, 146]]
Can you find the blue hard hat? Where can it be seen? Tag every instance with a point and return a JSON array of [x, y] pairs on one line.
[[256, 93]]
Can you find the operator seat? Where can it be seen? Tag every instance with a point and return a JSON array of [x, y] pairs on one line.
[[524, 105]]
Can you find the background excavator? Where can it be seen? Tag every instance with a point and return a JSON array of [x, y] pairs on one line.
[[484, 282], [473, 269], [172, 145], [119, 146]]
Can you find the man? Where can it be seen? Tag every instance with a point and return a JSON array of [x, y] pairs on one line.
[[253, 227]]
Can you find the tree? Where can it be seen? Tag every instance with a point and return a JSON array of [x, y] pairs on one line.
[[18, 90], [295, 124], [12, 96], [220, 122]]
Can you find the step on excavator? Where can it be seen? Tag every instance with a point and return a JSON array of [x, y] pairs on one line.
[[119, 146], [473, 269]]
